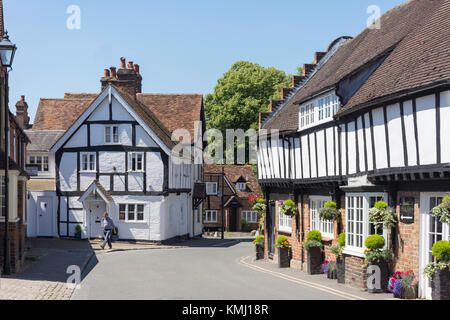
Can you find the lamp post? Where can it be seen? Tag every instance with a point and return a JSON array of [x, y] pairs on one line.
[[7, 51]]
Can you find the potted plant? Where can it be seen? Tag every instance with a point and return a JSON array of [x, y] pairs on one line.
[[283, 252], [404, 285], [329, 211], [382, 216], [115, 234], [376, 256], [259, 206], [78, 231], [259, 247], [340, 262], [439, 271], [329, 268], [244, 225], [314, 249], [288, 208], [442, 210]]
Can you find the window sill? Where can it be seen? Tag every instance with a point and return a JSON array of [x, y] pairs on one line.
[[289, 231], [355, 253], [88, 171]]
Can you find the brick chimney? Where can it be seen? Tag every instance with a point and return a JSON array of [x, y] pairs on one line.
[[285, 92], [307, 68], [296, 80], [127, 78], [318, 56], [22, 113]]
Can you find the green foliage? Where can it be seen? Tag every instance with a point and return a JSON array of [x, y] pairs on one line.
[[374, 242], [341, 239], [380, 205], [78, 229], [243, 91], [281, 239], [441, 251], [314, 235], [329, 213], [259, 241], [377, 256], [288, 208], [432, 267], [442, 211], [244, 225], [330, 204], [313, 243], [337, 251]]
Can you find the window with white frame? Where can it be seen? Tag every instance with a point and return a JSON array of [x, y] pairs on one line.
[[358, 226], [210, 216], [112, 134], [2, 196], [136, 161], [242, 186], [211, 188], [88, 161], [249, 216], [326, 227], [131, 212], [284, 221], [326, 106], [41, 162]]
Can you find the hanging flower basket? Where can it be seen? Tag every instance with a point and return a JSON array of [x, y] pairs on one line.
[[442, 211], [329, 211], [382, 216], [288, 208]]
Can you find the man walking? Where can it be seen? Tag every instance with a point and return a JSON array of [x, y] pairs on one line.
[[107, 226]]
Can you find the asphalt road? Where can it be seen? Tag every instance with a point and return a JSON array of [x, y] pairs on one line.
[[206, 269]]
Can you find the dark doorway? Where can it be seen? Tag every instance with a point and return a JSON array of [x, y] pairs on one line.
[[232, 219], [271, 228]]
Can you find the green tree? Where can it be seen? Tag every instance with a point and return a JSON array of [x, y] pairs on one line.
[[243, 91]]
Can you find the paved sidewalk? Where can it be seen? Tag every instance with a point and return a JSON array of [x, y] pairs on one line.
[[45, 274], [320, 282]]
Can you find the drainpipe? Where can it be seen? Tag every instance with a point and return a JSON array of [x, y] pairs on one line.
[[6, 261]]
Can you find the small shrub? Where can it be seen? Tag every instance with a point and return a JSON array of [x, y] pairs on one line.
[[281, 239], [341, 239], [244, 225], [374, 242], [441, 251], [78, 229], [259, 241], [380, 205], [314, 235], [330, 204]]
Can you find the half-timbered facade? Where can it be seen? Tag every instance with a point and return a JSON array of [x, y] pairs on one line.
[[367, 122], [115, 155]]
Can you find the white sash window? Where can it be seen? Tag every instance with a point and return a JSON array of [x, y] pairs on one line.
[[324, 226], [249, 216], [284, 221], [210, 216]]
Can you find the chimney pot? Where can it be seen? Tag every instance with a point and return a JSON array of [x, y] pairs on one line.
[[122, 63], [130, 65], [136, 68], [113, 72], [22, 98], [106, 74]]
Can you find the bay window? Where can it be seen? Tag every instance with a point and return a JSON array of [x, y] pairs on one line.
[[326, 227], [358, 226]]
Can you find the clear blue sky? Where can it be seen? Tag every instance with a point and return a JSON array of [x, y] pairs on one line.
[[181, 45]]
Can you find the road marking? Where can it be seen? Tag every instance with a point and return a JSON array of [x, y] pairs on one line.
[[299, 281]]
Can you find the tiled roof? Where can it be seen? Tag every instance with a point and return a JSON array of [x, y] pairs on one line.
[[176, 111], [168, 111], [59, 114], [233, 173], [408, 30], [43, 140]]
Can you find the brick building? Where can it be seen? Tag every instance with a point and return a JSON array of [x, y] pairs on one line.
[[238, 184], [366, 123], [17, 176]]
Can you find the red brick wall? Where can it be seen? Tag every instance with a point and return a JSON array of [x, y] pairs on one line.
[[16, 232]]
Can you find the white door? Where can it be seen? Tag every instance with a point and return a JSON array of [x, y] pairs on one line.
[[431, 231], [96, 211], [44, 217]]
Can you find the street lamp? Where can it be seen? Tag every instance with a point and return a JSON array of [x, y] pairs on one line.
[[7, 51]]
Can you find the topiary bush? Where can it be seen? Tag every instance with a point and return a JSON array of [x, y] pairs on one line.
[[380, 205], [341, 239], [441, 251], [314, 235], [259, 241], [374, 242]]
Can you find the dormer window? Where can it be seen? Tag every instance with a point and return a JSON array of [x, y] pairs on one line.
[[111, 134], [241, 186], [41, 162], [325, 107]]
